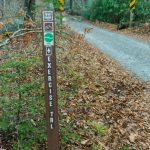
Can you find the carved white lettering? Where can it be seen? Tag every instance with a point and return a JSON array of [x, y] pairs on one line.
[[51, 104], [50, 84], [49, 78], [49, 65], [50, 97], [49, 59], [51, 125], [51, 113], [49, 72], [51, 120], [50, 91]]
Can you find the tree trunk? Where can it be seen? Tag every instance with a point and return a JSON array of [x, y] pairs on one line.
[[30, 6], [71, 4]]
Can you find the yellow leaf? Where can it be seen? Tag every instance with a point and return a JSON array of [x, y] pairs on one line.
[[9, 21], [1, 25], [1, 37], [21, 12]]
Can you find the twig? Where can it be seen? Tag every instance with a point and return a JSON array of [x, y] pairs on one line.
[[14, 35], [61, 47], [100, 143], [27, 33]]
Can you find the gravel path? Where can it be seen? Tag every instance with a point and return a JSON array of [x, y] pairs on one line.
[[134, 55]]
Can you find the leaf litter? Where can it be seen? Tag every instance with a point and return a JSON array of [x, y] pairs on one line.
[[97, 89], [101, 106]]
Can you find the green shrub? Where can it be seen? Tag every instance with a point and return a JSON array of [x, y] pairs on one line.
[[22, 101], [100, 129], [96, 147], [125, 148], [142, 13], [68, 135], [116, 11], [112, 11]]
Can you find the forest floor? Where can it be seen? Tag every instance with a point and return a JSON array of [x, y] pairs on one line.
[[101, 106], [131, 53], [108, 107], [140, 33]]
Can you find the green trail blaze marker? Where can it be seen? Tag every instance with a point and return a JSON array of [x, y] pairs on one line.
[[48, 37]]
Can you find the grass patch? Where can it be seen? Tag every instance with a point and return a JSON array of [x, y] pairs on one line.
[[96, 147], [125, 148], [99, 128], [68, 135]]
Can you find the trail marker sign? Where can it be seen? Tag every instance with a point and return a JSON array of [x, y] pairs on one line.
[[48, 38], [49, 50], [48, 15], [61, 7], [49, 59], [48, 26], [132, 4]]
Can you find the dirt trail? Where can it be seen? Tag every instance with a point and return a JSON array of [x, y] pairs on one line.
[[132, 54]]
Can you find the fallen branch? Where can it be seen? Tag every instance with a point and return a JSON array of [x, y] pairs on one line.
[[100, 143], [16, 34]]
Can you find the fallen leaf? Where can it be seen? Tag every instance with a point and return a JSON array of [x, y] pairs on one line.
[[84, 142], [132, 137]]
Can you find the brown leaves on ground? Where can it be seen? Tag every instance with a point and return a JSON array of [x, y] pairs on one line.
[[29, 23], [1, 25], [27, 37], [96, 89], [101, 103], [1, 37], [144, 29], [9, 21], [141, 32], [21, 12]]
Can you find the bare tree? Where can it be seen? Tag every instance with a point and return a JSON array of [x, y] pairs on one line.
[[30, 8]]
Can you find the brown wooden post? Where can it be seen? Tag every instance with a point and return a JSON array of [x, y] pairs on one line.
[[49, 59]]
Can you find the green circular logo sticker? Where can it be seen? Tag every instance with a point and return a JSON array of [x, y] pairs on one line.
[[48, 38]]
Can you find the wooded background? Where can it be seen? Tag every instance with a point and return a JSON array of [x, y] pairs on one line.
[[113, 11]]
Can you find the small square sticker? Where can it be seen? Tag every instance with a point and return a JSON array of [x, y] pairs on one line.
[[48, 50], [48, 26], [48, 15]]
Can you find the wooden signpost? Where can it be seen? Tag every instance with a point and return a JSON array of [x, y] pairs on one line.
[[49, 59]]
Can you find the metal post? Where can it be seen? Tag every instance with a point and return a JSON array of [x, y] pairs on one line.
[[131, 18], [132, 8]]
